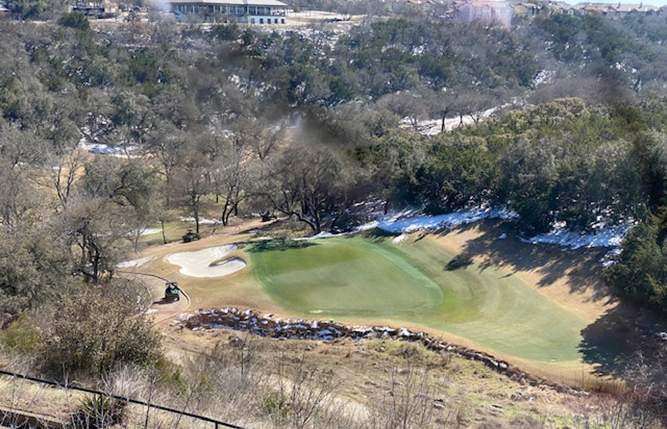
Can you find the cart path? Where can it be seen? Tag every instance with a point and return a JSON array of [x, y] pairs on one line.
[[159, 311]]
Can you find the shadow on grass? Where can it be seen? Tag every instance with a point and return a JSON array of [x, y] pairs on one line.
[[581, 269], [459, 261], [613, 342], [376, 235], [279, 244]]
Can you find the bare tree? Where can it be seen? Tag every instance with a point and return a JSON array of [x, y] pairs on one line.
[[230, 174], [193, 185], [168, 146], [412, 106], [309, 185], [64, 171]]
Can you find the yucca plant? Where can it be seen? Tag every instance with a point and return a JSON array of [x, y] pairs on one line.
[[99, 412]]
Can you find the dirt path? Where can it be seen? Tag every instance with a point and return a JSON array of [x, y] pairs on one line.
[[160, 311]]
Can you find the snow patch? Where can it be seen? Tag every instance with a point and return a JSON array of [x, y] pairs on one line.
[[150, 231], [202, 221], [136, 263], [105, 149], [602, 236], [407, 222], [401, 238], [609, 258]]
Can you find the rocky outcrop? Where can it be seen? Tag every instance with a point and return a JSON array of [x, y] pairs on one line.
[[301, 329]]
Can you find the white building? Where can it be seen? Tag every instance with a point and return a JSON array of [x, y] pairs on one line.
[[239, 11]]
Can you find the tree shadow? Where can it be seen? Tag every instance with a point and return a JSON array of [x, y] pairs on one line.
[[278, 244], [459, 261], [377, 235], [581, 268], [616, 339]]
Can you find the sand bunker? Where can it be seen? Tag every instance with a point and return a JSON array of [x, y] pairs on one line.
[[207, 262]]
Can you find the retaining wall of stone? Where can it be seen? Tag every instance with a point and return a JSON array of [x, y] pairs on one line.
[[301, 329]]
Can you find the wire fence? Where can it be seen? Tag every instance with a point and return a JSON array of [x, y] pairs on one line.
[[218, 424]]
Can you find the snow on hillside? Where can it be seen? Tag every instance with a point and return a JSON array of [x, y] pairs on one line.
[[410, 221], [602, 236]]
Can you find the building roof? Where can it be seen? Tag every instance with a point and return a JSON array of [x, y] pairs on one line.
[[641, 7], [598, 7], [494, 4], [272, 3]]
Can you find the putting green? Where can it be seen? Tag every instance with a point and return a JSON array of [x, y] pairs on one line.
[[358, 278]]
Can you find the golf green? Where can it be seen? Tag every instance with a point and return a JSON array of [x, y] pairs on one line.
[[364, 278]]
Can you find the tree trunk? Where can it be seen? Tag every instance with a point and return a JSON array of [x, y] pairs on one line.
[[164, 237], [224, 216], [229, 213], [168, 180]]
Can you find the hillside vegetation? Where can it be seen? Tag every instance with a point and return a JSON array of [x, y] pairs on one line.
[[117, 136]]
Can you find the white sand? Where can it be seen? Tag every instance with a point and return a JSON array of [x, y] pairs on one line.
[[136, 263], [203, 263]]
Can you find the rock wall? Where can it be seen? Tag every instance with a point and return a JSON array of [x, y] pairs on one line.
[[299, 329]]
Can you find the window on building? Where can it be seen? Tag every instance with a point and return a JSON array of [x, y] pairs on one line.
[[261, 20], [252, 10], [282, 21], [252, 20], [223, 9]]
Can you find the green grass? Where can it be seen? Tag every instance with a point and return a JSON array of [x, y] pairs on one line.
[[359, 278]]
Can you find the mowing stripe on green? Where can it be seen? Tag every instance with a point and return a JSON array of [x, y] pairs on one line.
[[372, 279]]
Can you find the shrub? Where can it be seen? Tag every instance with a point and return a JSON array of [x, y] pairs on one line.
[[98, 328], [275, 406], [99, 412], [76, 20], [20, 337]]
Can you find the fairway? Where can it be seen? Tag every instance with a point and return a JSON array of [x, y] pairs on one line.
[[361, 278]]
